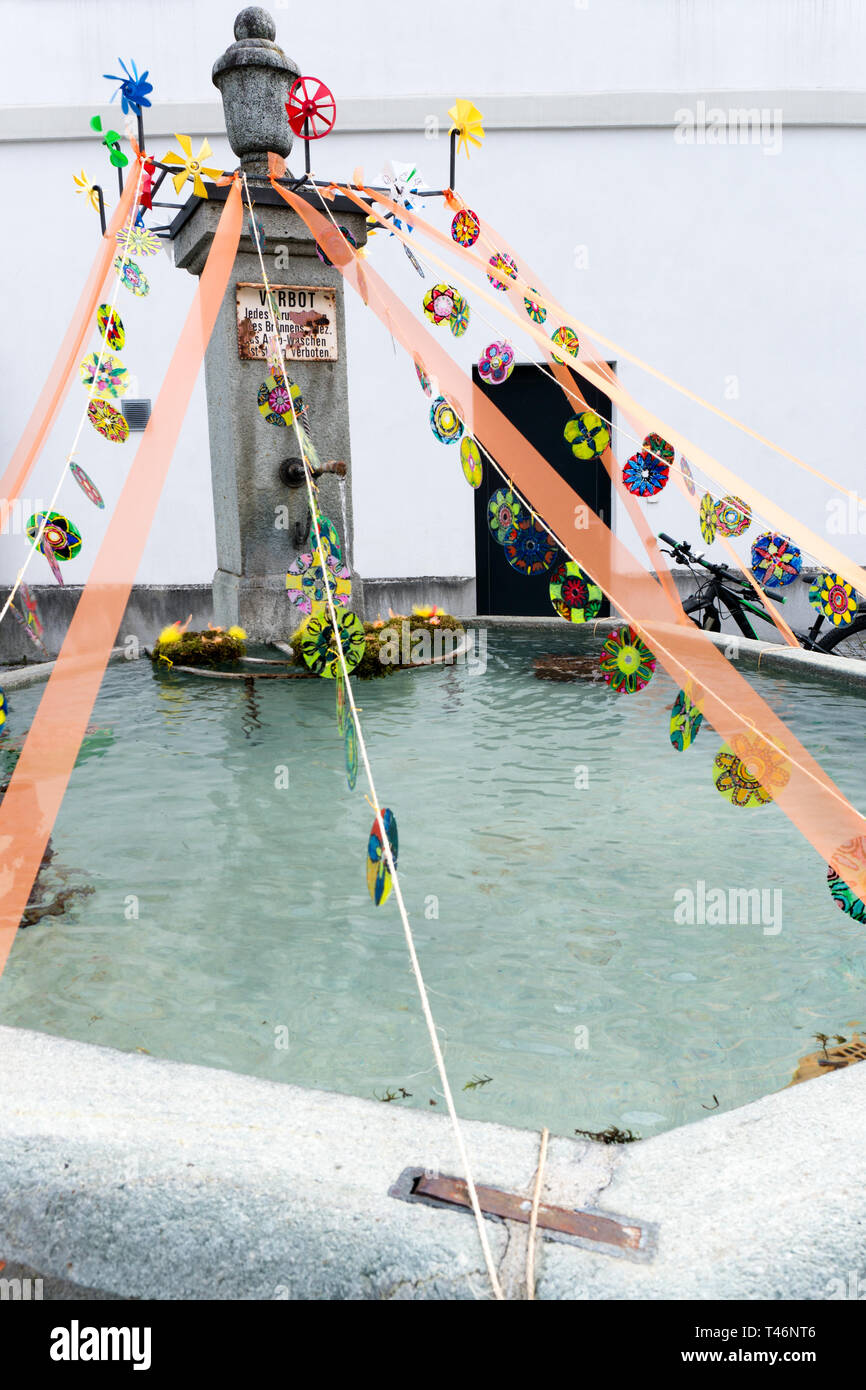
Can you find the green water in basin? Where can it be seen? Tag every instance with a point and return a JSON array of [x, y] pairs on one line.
[[230, 924]]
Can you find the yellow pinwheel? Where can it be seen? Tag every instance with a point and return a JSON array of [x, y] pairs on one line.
[[191, 168], [467, 121], [83, 185]]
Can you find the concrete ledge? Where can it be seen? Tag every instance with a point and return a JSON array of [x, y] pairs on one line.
[[162, 1180]]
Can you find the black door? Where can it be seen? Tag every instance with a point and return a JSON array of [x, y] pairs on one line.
[[535, 405]]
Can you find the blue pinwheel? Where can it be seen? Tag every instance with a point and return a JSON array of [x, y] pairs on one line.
[[133, 88]]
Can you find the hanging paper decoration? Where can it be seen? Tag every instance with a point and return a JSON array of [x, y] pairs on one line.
[[439, 303], [311, 108], [686, 719], [848, 861], [708, 518], [110, 326], [133, 90], [344, 231], [108, 421], [465, 228], [305, 583], [750, 770], [84, 185], [132, 277], [733, 516], [467, 121], [687, 476], [503, 265], [423, 378], [60, 534], [3, 707], [654, 444], [191, 168], [529, 547], [496, 363], [445, 422], [378, 871], [536, 311], [575, 597], [775, 560], [319, 643], [587, 434], [626, 663], [413, 261], [834, 597], [565, 338], [29, 618], [46, 550], [87, 485], [340, 702], [470, 459], [459, 320], [276, 399], [105, 377], [351, 753], [138, 241], [330, 538], [504, 513], [644, 475]]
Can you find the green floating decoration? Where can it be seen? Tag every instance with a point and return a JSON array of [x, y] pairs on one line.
[[319, 646], [351, 751], [378, 872], [686, 719]]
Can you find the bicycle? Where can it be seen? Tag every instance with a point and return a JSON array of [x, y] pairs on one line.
[[723, 592]]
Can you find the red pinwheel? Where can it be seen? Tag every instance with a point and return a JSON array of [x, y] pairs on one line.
[[311, 108]]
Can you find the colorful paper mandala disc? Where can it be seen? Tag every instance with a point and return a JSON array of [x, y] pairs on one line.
[[319, 643], [105, 377], [575, 597], [378, 872], [504, 512], [444, 421], [52, 561], [110, 326], [587, 434], [626, 663], [470, 459], [138, 241], [644, 475], [439, 303], [465, 228], [351, 754], [305, 583], [340, 702], [497, 363], [108, 421], [501, 265], [276, 398], [834, 597], [775, 560], [344, 231], [459, 320], [87, 485], [686, 720], [60, 534], [849, 862], [529, 547], [3, 708], [132, 277], [708, 518], [687, 476], [654, 444], [330, 537], [537, 312], [565, 338], [423, 378], [733, 516], [749, 771]]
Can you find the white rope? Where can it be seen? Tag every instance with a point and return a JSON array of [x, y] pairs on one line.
[[35, 543], [362, 748]]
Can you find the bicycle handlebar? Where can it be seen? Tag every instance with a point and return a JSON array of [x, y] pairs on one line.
[[682, 550]]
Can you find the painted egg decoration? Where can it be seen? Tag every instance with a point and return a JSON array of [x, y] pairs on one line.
[[110, 326], [108, 421], [87, 485], [465, 227]]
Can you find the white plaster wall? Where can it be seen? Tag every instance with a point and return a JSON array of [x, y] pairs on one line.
[[710, 262]]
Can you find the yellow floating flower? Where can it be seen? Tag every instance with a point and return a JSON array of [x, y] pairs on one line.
[[191, 168], [84, 185], [467, 120]]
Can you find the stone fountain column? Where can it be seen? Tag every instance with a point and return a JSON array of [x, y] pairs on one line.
[[261, 512]]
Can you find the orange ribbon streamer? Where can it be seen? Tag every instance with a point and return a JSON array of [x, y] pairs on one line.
[[789, 773], [54, 391], [37, 786]]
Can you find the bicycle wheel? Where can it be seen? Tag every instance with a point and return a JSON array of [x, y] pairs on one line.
[[849, 642]]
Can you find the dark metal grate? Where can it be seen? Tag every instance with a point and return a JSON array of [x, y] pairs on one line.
[[136, 413]]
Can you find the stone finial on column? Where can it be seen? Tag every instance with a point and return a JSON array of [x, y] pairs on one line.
[[254, 76]]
